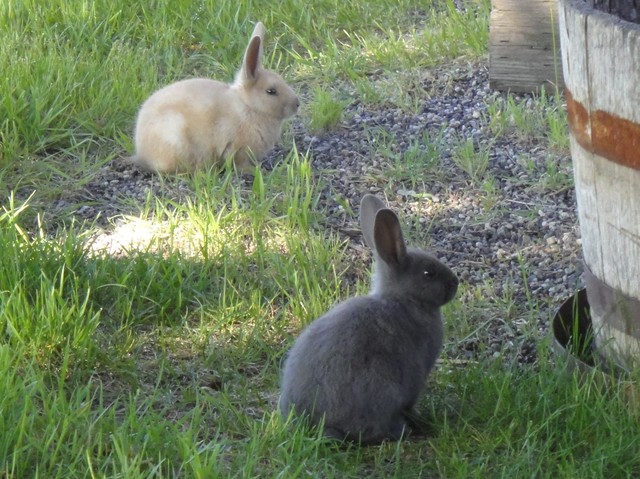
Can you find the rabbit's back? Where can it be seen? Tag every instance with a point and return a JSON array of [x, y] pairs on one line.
[[361, 366], [185, 124]]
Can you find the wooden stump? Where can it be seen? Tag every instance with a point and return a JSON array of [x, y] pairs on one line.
[[524, 45], [601, 63]]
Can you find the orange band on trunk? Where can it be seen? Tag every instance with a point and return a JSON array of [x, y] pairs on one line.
[[604, 134]]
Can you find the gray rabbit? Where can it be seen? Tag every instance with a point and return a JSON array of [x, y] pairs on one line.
[[361, 366]]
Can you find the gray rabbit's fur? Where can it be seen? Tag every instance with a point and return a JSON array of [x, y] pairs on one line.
[[360, 367]]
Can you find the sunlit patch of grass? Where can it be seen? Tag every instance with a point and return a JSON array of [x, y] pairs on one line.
[[236, 280]]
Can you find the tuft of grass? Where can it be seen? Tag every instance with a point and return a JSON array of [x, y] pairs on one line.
[[472, 158], [556, 176], [490, 192], [325, 111]]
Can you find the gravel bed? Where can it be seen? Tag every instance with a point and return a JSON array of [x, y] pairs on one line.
[[513, 245]]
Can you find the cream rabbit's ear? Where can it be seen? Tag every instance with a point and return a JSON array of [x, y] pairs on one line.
[[253, 54], [369, 206], [258, 30]]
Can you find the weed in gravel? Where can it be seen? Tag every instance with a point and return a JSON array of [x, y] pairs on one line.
[[472, 158], [369, 91], [558, 127], [549, 173], [410, 165], [404, 89], [543, 116], [556, 177], [325, 111], [490, 193]]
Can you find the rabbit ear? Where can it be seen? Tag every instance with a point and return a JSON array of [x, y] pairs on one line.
[[253, 54], [388, 238], [369, 206], [258, 30]]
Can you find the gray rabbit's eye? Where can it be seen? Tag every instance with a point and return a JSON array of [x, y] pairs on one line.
[[428, 274], [272, 91]]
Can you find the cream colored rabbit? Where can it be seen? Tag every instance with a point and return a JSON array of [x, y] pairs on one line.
[[199, 122]]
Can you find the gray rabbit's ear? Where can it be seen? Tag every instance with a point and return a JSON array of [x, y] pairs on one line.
[[253, 54], [387, 235], [369, 206]]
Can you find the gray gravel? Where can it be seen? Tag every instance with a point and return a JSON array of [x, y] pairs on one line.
[[523, 231]]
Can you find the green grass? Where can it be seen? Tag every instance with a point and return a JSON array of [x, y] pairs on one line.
[[82, 68], [417, 163], [543, 117], [325, 111], [471, 158], [150, 347]]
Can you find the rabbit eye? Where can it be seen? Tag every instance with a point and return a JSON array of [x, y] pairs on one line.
[[428, 274], [272, 91]]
